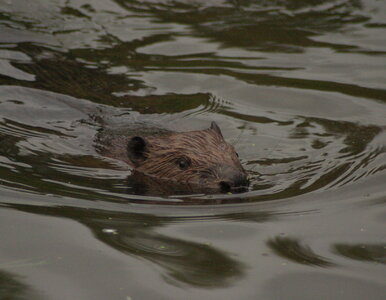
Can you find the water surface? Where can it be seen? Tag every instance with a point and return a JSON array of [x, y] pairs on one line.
[[297, 86]]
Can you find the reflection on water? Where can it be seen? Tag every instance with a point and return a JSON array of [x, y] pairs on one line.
[[297, 86], [365, 252], [62, 75], [292, 249], [181, 260], [285, 26], [11, 287]]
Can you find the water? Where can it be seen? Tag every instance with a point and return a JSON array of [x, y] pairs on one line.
[[297, 86]]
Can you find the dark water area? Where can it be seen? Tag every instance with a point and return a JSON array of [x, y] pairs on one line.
[[298, 87]]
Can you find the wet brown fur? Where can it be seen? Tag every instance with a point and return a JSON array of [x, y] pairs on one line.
[[203, 148], [210, 157]]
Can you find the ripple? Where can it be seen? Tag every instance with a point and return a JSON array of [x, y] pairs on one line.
[[363, 252], [153, 246], [306, 154], [293, 250], [302, 118]]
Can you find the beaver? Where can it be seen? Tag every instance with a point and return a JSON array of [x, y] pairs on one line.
[[199, 160]]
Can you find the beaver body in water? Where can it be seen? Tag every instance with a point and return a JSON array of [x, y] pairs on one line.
[[200, 160]]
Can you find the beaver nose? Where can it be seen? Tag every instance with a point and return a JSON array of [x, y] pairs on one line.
[[233, 181]]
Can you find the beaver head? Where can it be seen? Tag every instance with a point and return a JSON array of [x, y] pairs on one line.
[[196, 158]]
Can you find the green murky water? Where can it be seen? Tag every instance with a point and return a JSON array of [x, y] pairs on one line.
[[297, 86]]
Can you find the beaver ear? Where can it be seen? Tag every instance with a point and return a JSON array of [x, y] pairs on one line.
[[136, 149], [215, 127]]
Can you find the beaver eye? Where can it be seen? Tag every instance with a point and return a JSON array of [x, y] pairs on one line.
[[237, 154], [183, 163]]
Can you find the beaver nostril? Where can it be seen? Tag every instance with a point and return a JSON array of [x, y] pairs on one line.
[[225, 186]]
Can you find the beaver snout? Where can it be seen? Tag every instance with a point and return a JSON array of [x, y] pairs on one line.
[[233, 180]]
